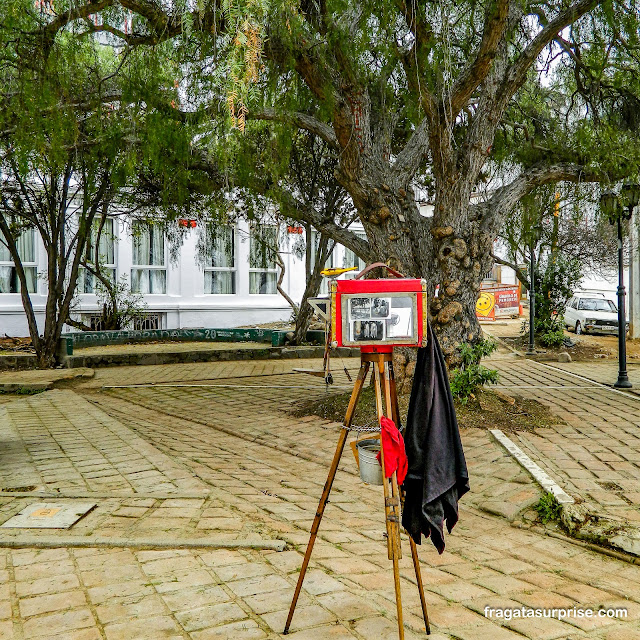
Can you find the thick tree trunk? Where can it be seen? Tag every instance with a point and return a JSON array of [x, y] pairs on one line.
[[420, 247]]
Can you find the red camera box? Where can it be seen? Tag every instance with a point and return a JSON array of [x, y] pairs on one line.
[[381, 313]]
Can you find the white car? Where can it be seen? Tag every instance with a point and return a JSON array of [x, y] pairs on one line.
[[591, 312]]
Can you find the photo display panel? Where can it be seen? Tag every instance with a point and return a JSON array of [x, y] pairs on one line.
[[380, 318], [378, 312]]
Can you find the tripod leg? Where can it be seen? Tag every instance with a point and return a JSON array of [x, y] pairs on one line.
[[392, 399], [416, 566], [391, 498], [357, 388]]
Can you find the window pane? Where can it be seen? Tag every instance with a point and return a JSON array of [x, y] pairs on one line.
[[5, 279], [140, 280], [350, 259], [221, 247], [141, 244], [107, 242], [10, 283], [219, 282], [264, 240], [148, 245], [262, 282], [26, 248], [157, 281], [157, 246]]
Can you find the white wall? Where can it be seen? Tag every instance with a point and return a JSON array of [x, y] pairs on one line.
[[185, 304]]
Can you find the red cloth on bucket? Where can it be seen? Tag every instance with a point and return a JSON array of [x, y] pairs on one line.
[[395, 457]]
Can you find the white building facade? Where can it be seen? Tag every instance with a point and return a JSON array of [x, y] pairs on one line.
[[228, 281]]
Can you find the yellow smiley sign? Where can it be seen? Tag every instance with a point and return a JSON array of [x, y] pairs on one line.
[[485, 303]]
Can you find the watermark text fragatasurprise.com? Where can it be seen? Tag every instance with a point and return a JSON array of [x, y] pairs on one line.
[[559, 613]]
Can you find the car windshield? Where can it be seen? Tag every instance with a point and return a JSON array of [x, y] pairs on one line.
[[597, 304]]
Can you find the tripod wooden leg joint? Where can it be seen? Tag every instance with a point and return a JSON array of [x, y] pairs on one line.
[[385, 388]]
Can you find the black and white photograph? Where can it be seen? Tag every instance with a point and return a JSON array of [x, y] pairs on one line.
[[380, 307], [360, 308], [365, 330]]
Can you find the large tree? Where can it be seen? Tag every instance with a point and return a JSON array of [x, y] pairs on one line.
[[411, 93]]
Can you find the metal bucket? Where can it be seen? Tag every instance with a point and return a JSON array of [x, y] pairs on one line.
[[370, 469]]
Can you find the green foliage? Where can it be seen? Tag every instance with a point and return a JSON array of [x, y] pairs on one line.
[[548, 508], [471, 375], [552, 338], [119, 305]]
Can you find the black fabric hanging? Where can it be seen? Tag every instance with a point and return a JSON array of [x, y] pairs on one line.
[[437, 476]]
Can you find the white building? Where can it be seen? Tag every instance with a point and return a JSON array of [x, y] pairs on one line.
[[232, 283]]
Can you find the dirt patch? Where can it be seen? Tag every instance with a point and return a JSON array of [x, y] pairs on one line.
[[15, 345], [488, 410], [584, 348]]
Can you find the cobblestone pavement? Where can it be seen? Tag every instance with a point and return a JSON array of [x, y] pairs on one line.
[[227, 463], [604, 372], [595, 451]]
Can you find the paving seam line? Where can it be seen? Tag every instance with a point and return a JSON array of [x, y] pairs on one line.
[[632, 395], [540, 476], [55, 542]]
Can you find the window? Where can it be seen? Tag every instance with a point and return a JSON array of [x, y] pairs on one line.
[[350, 259], [597, 304], [9, 281], [149, 273], [219, 270], [263, 271], [106, 257]]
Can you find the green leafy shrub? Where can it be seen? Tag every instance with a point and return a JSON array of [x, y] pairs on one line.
[[548, 508], [553, 338], [471, 375]]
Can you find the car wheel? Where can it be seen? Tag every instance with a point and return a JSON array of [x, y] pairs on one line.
[[578, 328]]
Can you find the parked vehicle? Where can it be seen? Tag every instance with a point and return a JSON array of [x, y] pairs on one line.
[[591, 312]]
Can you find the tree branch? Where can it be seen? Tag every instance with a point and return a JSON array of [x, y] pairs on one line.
[[300, 120], [409, 159], [506, 198], [467, 82], [522, 276], [517, 72]]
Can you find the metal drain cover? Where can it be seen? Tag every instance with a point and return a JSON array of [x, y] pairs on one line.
[[49, 515]]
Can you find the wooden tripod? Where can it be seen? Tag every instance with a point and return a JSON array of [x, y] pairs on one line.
[[385, 386]]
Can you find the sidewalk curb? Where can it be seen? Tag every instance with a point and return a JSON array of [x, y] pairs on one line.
[[85, 542], [540, 476]]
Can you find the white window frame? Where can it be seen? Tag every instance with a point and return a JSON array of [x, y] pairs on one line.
[[266, 270], [348, 253], [111, 267], [149, 267], [32, 264], [233, 270]]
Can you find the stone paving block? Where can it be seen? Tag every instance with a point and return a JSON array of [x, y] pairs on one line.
[[331, 632], [152, 628], [304, 617], [260, 584], [50, 603], [346, 606], [541, 628], [317, 582], [130, 608], [194, 597], [58, 623], [50, 585], [211, 615], [240, 571], [241, 630]]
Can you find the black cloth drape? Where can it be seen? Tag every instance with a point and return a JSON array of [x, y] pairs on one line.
[[437, 476]]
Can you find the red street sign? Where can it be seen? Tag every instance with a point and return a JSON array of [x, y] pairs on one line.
[[187, 223], [291, 229]]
